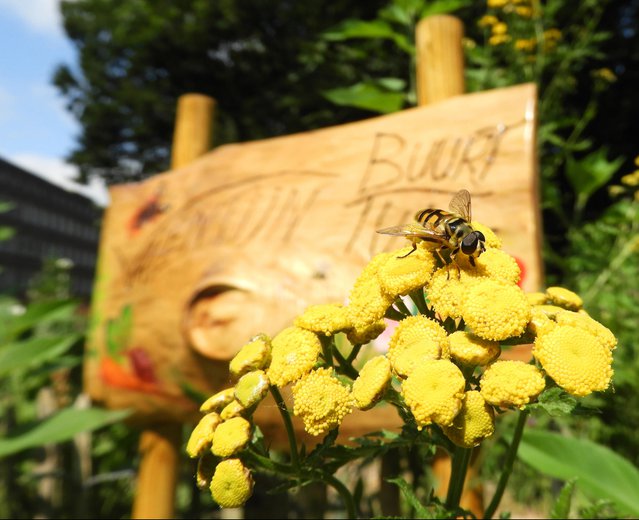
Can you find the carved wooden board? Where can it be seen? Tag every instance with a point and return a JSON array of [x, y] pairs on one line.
[[195, 261]]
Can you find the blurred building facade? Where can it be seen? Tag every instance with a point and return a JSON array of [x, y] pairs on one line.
[[50, 223]]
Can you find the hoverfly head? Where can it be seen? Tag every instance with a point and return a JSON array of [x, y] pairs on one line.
[[474, 244]]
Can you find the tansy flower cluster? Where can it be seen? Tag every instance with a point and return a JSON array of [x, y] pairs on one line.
[[443, 366]]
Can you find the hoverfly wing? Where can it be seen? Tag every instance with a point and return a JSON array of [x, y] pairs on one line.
[[460, 204], [413, 231]]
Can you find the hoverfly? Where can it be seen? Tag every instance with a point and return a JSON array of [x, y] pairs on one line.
[[450, 230]]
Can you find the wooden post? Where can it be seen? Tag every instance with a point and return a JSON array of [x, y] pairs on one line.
[[440, 59], [440, 75], [160, 445]]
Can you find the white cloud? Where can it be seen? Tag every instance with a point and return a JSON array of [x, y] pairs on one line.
[[40, 15], [60, 173]]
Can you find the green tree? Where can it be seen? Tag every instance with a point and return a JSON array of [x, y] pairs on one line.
[[262, 60]]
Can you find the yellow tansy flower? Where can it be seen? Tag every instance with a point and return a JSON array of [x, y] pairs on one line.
[[218, 401], [447, 290], [498, 265], [415, 340], [255, 355], [575, 359], [539, 321], [631, 179], [471, 350], [231, 436], [294, 353], [582, 320], [366, 333], [498, 3], [487, 20], [498, 39], [500, 28], [536, 298], [324, 319], [524, 11], [564, 298], [433, 392], [511, 383], [474, 422], [373, 380], [525, 44], [494, 310], [232, 484], [251, 388], [321, 401], [401, 274], [492, 240], [233, 409], [202, 435], [553, 34]]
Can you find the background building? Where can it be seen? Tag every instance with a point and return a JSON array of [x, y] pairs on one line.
[[50, 223]]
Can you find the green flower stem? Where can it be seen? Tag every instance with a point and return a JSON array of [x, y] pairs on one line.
[[508, 465], [354, 352], [264, 464], [401, 306], [327, 348], [461, 457], [394, 314], [343, 491], [418, 299], [345, 367], [288, 423]]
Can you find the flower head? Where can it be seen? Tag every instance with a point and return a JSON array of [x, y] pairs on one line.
[[575, 359], [415, 340], [401, 274], [474, 422], [324, 319], [564, 298], [255, 355], [367, 302], [232, 484], [471, 350], [233, 409], [447, 289], [582, 320], [372, 382], [433, 391], [498, 265], [251, 388], [202, 435], [494, 310], [294, 354], [218, 401], [365, 333], [321, 401], [231, 436], [511, 383]]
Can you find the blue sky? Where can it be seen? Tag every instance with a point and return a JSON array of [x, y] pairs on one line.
[[36, 131]]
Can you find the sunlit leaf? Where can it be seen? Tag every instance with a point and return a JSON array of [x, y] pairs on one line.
[[366, 96], [443, 6], [601, 473], [561, 507], [588, 174], [374, 29], [34, 351], [41, 313]]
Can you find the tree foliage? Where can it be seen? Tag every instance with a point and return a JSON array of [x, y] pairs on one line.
[[263, 62]]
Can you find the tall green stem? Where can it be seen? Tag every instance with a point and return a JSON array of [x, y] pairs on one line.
[[461, 457], [288, 424], [508, 465], [346, 495]]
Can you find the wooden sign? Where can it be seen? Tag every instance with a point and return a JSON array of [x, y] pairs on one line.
[[195, 261]]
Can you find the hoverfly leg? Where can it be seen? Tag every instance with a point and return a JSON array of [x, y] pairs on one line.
[[411, 251]]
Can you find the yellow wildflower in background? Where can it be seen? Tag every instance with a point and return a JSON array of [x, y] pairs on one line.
[[524, 11], [471, 350], [324, 319], [321, 401], [232, 484], [511, 383], [575, 359], [294, 353], [251, 388], [231, 436], [434, 391], [565, 298], [372, 382], [255, 355], [415, 340], [487, 20], [500, 28], [474, 422], [494, 310], [218, 401], [399, 274], [525, 44], [202, 435], [498, 3]]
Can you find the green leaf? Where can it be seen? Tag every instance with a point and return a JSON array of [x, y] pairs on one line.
[[39, 314], [411, 498], [61, 427], [6, 206], [443, 6], [555, 402], [373, 29], [561, 507], [34, 351], [6, 232], [588, 174], [367, 96], [601, 472]]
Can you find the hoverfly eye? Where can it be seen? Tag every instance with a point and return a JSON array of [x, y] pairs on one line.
[[469, 244]]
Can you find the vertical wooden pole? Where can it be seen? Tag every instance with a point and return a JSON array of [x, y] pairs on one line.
[[439, 76], [440, 59], [160, 444]]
